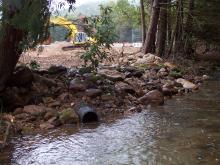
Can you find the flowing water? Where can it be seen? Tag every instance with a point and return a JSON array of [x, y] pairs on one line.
[[185, 131]]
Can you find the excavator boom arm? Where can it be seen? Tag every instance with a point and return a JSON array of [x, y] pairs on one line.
[[65, 23]]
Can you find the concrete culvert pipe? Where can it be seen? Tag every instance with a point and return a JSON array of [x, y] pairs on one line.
[[87, 114]]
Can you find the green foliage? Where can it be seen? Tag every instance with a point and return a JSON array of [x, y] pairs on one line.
[[21, 16], [126, 14], [34, 65], [126, 17], [29, 16], [176, 72], [207, 22], [102, 29]]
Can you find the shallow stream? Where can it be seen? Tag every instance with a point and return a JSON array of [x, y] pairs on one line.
[[185, 131]]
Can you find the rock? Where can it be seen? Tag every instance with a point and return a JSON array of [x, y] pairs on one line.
[[55, 121], [131, 58], [122, 87], [152, 85], [170, 89], [47, 100], [93, 77], [34, 110], [72, 72], [186, 84], [22, 76], [135, 109], [54, 104], [23, 90], [149, 59], [107, 97], [65, 97], [175, 74], [93, 92], [55, 69], [197, 80], [139, 55], [166, 91], [68, 116], [44, 80], [77, 85], [18, 111], [134, 74], [162, 72], [205, 77], [84, 70], [136, 84], [22, 116], [169, 65], [153, 97], [112, 75], [46, 126], [50, 114]]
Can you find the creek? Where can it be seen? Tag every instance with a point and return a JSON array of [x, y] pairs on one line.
[[185, 131]]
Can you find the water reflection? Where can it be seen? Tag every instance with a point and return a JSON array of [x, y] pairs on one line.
[[107, 144]]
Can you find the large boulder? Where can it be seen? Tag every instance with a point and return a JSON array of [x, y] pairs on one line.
[[136, 84], [46, 126], [69, 116], [22, 76], [149, 59], [55, 69], [112, 75], [34, 110], [93, 92], [122, 87], [186, 84], [77, 85], [44, 81], [153, 97]]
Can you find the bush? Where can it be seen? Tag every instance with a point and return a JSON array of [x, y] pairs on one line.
[[102, 29]]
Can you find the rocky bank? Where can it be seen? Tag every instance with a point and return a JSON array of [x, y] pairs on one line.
[[45, 99]]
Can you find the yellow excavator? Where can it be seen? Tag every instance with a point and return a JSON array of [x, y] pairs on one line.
[[78, 38]]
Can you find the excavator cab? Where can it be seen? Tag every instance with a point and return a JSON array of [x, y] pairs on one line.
[[81, 37]]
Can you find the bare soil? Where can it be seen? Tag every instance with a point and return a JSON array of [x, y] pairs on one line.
[[46, 55]]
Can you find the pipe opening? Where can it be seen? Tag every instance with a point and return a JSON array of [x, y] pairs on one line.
[[90, 117]]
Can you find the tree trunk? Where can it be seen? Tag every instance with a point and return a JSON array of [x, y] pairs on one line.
[[149, 45], [10, 48], [151, 6], [143, 23], [179, 28], [162, 29], [169, 22], [188, 29]]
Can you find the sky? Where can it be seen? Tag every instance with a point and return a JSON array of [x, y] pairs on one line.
[[79, 2]]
